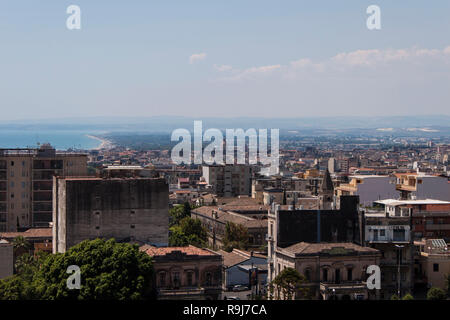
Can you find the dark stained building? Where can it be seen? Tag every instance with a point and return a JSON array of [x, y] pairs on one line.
[[127, 209]]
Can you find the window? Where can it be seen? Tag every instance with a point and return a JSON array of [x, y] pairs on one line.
[[176, 279], [132, 226], [324, 275], [436, 267], [162, 279], [208, 279], [337, 276], [382, 232], [349, 274], [12, 163], [308, 274], [189, 279], [399, 235]]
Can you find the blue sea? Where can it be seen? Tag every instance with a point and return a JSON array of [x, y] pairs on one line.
[[60, 139]]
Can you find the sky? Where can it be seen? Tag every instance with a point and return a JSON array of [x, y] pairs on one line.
[[223, 58]]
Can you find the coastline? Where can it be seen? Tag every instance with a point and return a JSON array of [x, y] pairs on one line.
[[104, 143]]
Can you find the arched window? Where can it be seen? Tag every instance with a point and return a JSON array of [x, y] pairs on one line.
[[208, 279], [190, 278], [162, 279], [307, 274], [325, 275]]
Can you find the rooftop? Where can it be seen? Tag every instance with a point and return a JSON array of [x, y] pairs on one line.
[[189, 250], [30, 233], [396, 202], [338, 248]]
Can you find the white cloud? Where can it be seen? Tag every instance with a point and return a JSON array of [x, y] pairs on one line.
[[197, 57], [223, 67], [376, 56], [254, 71]]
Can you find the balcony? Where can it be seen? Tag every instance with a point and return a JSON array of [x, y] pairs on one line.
[[404, 187]]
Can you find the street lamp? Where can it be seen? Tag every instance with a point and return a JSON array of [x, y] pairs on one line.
[[398, 270], [334, 294]]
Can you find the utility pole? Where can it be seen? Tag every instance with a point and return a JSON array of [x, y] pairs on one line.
[[398, 269]]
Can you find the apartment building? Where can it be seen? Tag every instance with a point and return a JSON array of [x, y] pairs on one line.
[[228, 180], [422, 186], [369, 188], [26, 184], [430, 217], [433, 262], [391, 235]]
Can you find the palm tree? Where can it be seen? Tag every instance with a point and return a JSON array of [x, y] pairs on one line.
[[21, 246]]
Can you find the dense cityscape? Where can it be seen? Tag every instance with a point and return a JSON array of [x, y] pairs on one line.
[[227, 232], [224, 159]]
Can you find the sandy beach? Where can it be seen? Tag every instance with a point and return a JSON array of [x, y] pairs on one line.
[[104, 143]]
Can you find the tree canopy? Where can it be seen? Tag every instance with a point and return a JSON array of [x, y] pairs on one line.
[[109, 270], [236, 236], [188, 231], [287, 284], [436, 294]]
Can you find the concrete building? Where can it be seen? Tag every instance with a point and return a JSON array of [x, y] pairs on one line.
[[186, 273], [289, 227], [434, 262], [422, 186], [6, 259], [127, 209], [26, 184], [333, 271], [430, 218], [391, 235], [332, 165], [369, 188], [215, 219], [228, 180]]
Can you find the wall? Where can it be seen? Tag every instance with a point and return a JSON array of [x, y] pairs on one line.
[[124, 209]]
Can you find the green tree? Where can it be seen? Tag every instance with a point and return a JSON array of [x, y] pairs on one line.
[[188, 231], [395, 297], [109, 270], [408, 296], [20, 286], [16, 288], [447, 284], [178, 213], [436, 294], [21, 246], [236, 236], [289, 283]]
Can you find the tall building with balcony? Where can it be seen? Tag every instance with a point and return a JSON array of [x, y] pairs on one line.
[[390, 233], [430, 217], [229, 180], [369, 188], [418, 186], [26, 184]]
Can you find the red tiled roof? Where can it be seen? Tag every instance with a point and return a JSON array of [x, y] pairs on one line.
[[30, 233], [189, 250]]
